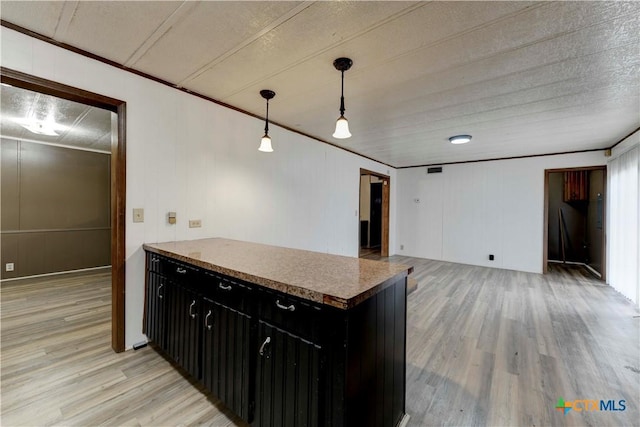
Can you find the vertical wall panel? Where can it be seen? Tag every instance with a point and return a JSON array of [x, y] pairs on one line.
[[55, 208], [9, 190]]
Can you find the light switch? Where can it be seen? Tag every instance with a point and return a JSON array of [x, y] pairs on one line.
[[138, 215], [171, 217]]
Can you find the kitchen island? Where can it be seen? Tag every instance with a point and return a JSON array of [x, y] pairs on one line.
[[283, 337]]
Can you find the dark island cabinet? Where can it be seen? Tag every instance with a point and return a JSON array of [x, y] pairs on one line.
[[184, 328], [287, 379], [157, 289], [278, 360], [226, 369]]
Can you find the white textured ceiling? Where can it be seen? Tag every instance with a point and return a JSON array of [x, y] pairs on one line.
[[523, 78], [81, 126]]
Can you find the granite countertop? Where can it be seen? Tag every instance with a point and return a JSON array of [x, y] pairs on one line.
[[335, 280]]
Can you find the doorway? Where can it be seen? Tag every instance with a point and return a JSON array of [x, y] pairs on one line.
[[117, 177], [574, 238], [374, 215]]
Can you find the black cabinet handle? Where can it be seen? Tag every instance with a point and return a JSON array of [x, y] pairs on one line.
[[206, 320], [155, 260], [191, 313], [159, 289], [267, 341], [285, 307], [181, 270], [223, 287]]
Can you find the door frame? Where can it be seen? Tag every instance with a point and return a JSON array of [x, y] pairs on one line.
[[545, 250], [118, 183], [386, 196]]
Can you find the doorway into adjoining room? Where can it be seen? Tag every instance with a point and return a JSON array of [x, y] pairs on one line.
[[575, 221], [374, 215], [63, 166]]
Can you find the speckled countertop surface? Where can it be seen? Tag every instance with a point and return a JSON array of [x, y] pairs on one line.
[[334, 280]]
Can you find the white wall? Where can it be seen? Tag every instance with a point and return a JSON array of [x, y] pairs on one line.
[[472, 210], [623, 219], [200, 160]]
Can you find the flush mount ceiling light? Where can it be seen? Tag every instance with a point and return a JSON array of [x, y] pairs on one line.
[[460, 139], [41, 127], [342, 125], [265, 142]]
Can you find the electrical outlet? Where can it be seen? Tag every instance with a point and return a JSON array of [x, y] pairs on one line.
[[195, 223], [138, 215], [401, 247], [9, 266], [491, 257]]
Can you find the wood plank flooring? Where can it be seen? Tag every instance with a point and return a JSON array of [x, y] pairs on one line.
[[57, 366], [484, 347]]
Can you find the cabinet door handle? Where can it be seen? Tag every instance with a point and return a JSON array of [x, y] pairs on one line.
[[224, 287], [155, 260], [159, 289], [206, 320], [285, 307], [191, 313], [267, 341], [181, 270]]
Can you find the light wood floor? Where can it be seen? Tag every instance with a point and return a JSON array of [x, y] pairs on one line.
[[485, 347]]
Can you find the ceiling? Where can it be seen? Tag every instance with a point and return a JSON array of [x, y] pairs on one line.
[[78, 125], [523, 78]]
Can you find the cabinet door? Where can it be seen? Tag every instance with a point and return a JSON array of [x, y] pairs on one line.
[[183, 337], [156, 321], [225, 350], [287, 379]]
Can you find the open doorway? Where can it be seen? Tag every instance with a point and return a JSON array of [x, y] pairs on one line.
[[374, 214], [116, 180], [575, 220]]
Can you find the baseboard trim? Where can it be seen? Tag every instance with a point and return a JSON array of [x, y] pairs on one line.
[[404, 422], [57, 273]]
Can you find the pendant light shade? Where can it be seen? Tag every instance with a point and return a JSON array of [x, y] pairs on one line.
[[265, 142], [342, 125], [342, 128]]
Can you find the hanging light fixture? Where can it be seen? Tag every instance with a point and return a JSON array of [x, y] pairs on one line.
[[342, 125], [265, 142]]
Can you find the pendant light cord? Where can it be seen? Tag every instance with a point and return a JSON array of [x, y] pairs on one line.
[[342, 96], [266, 121]]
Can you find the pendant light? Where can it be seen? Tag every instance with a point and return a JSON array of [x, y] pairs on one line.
[[342, 125], [265, 142]]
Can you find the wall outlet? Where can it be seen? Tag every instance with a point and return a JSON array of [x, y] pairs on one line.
[[401, 247], [138, 215], [9, 266], [195, 223], [491, 257]]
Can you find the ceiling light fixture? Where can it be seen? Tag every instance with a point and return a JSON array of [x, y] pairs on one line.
[[265, 142], [41, 127], [342, 125], [460, 139]]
